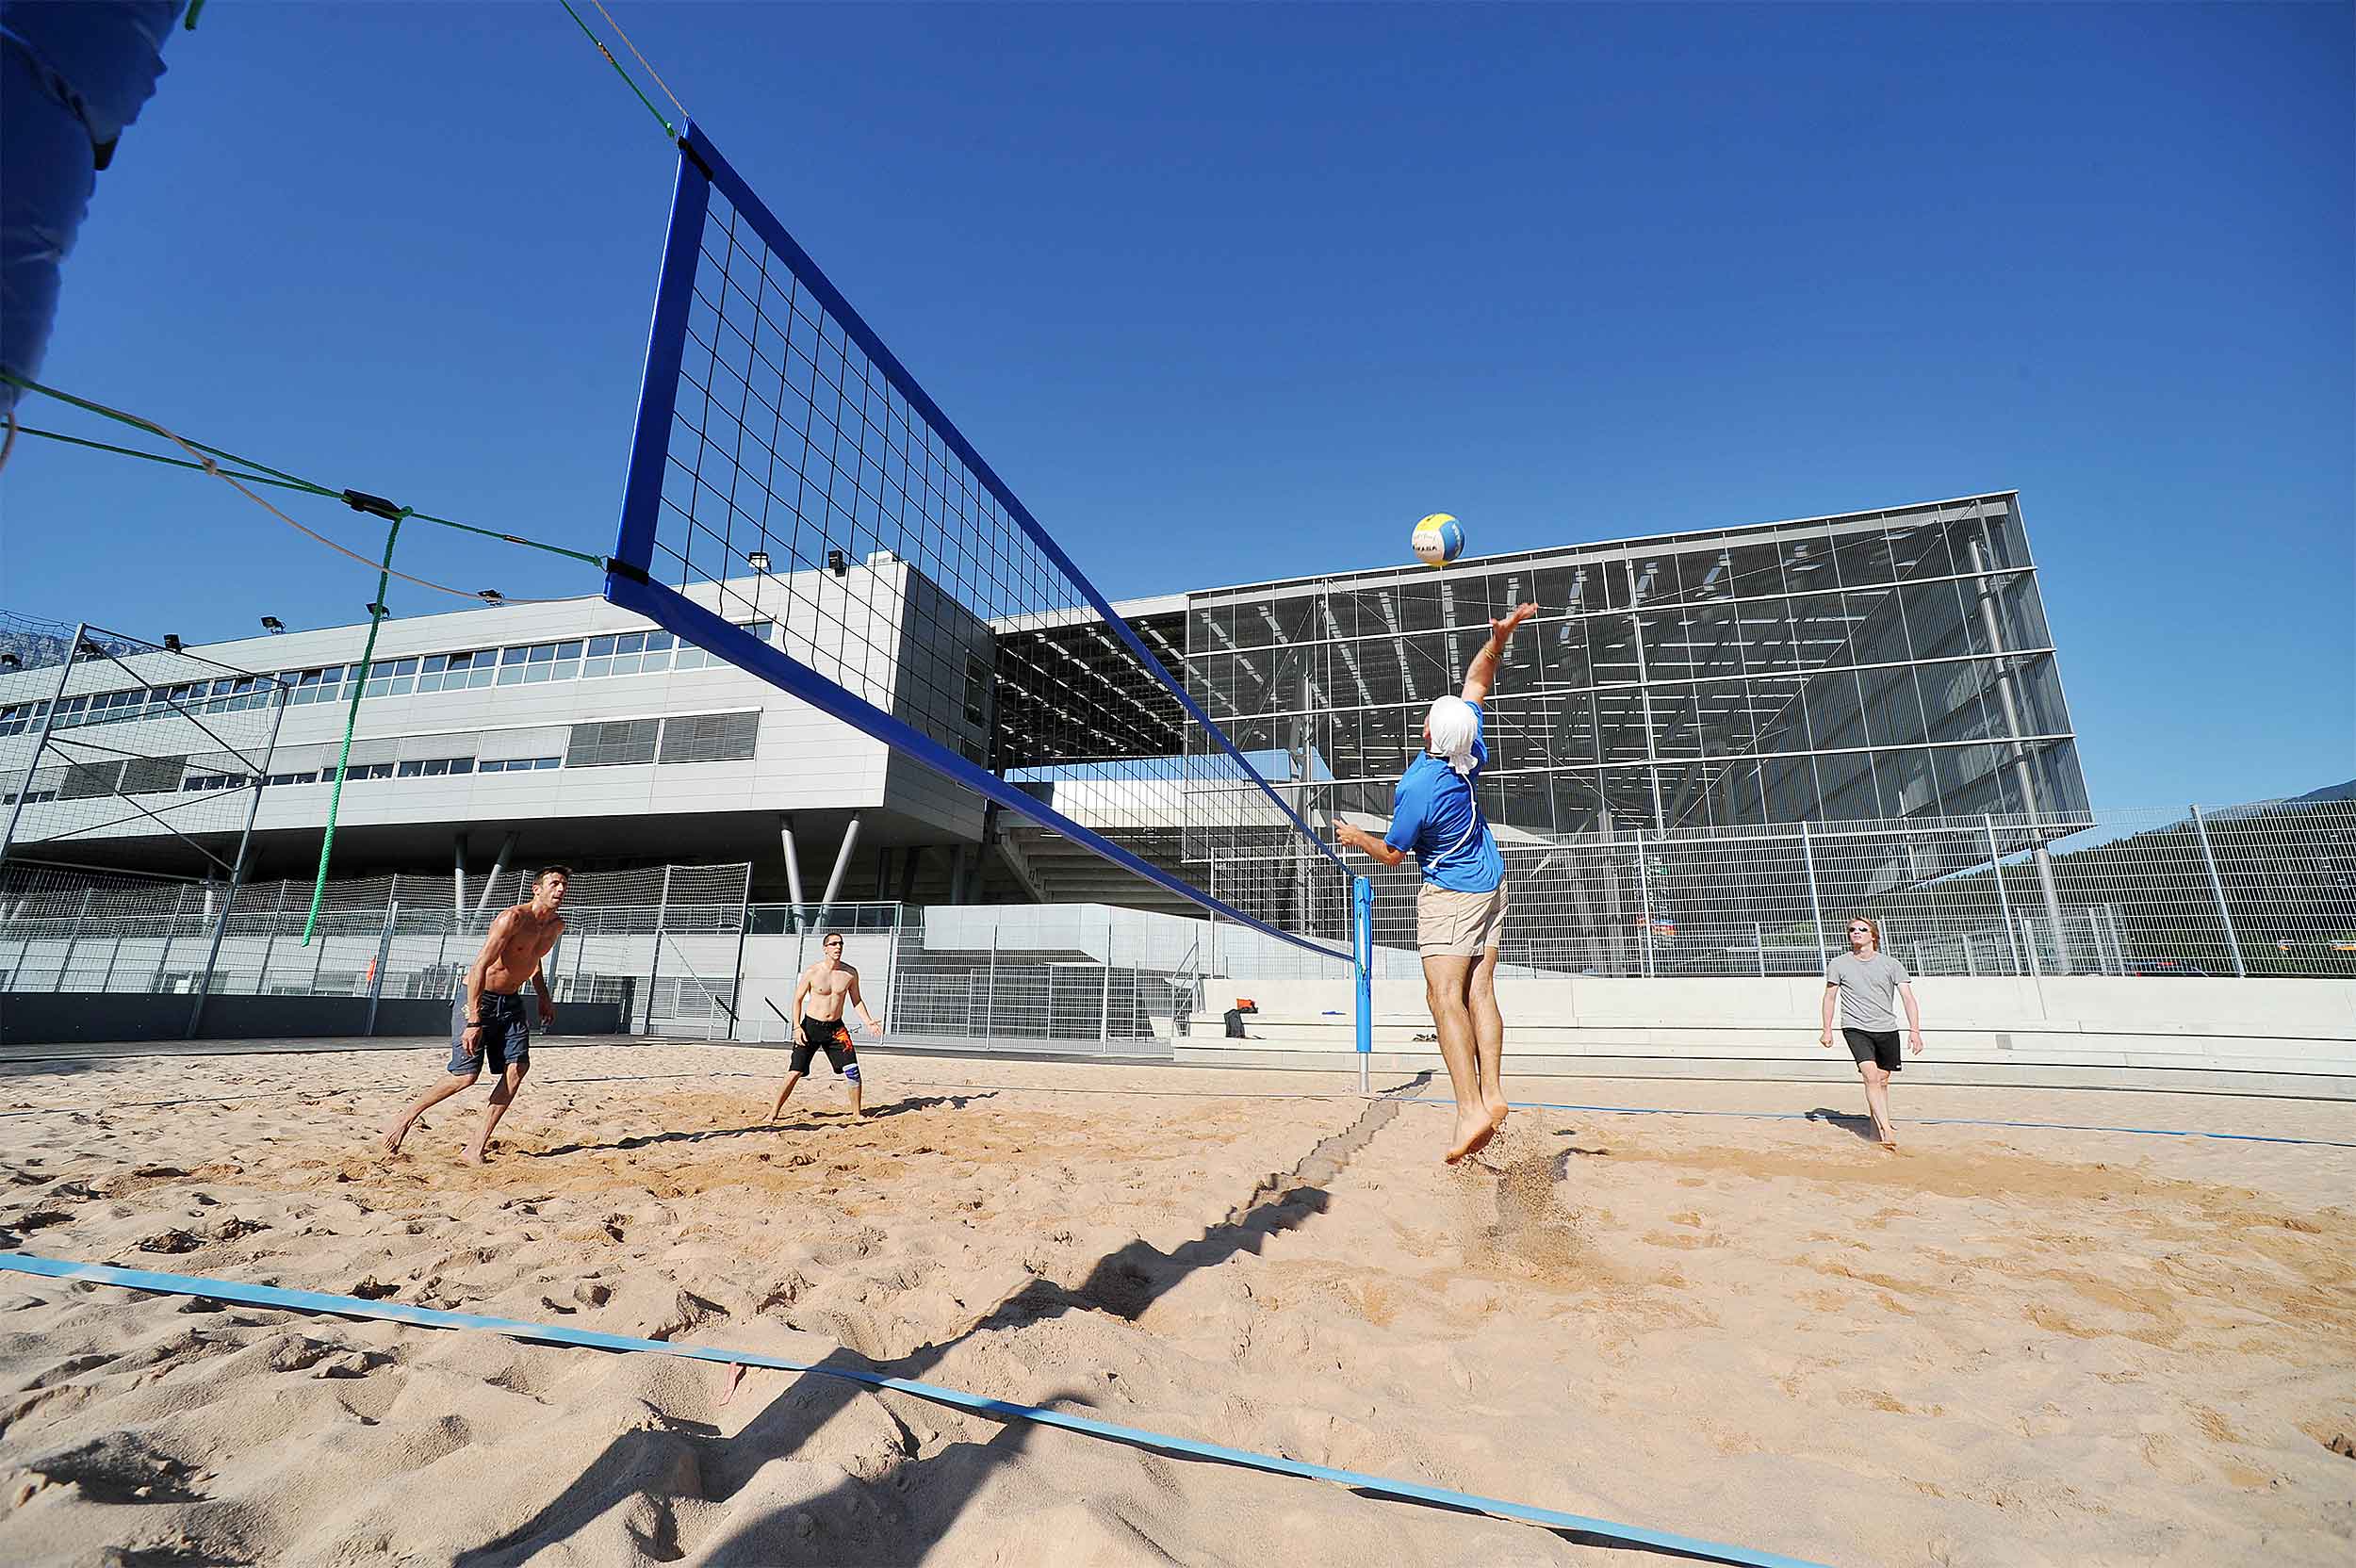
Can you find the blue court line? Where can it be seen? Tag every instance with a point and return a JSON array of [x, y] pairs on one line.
[[431, 1317], [1913, 1122]]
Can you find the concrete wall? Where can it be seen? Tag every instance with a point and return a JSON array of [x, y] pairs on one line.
[[773, 964], [62, 1018], [2084, 1029]]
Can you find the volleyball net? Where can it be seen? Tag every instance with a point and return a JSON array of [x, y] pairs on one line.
[[798, 505]]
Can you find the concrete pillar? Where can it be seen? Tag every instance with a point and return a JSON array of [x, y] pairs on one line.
[[498, 868], [792, 867], [842, 863], [458, 877]]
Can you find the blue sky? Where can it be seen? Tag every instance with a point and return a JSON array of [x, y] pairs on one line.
[[1230, 293]]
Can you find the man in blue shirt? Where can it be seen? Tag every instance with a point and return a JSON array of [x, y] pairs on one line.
[[1459, 911]]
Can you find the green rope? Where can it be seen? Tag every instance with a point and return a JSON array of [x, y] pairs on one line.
[[173, 462], [667, 129], [278, 477], [138, 423], [351, 722]]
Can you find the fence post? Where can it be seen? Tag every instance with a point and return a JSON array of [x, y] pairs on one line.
[[171, 933], [990, 992], [2004, 900], [1815, 900], [245, 844], [41, 742], [269, 938], [654, 967], [1362, 948], [1104, 1008], [736, 979], [72, 940], [383, 958], [2217, 891], [1759, 941], [1643, 887]]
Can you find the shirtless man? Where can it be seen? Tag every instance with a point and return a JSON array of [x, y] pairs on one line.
[[819, 997], [489, 1012]]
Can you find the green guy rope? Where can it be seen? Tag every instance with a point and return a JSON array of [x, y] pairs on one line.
[[266, 474], [593, 38], [351, 722]]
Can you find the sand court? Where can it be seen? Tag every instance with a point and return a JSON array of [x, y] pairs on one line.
[[2002, 1345]]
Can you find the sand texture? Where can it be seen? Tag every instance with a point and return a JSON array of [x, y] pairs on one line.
[[2001, 1346]]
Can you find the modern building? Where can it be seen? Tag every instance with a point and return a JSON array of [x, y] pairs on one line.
[[1886, 666]]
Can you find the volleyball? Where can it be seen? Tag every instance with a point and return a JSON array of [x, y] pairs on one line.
[[1438, 539]]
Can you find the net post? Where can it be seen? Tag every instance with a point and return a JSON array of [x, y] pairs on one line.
[[1362, 947], [667, 337]]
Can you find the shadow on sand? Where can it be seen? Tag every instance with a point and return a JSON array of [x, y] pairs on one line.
[[650, 1140], [872, 1520]]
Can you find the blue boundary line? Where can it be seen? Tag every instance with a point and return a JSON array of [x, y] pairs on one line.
[[701, 169], [1913, 1122], [431, 1317]]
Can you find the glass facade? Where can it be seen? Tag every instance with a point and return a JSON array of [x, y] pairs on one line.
[[1873, 666]]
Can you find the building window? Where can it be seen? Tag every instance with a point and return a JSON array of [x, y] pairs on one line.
[[710, 737], [520, 764], [612, 744]]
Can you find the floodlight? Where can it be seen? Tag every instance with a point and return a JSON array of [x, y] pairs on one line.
[[273, 624], [759, 560]]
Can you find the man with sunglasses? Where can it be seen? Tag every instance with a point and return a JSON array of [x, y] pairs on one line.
[[1864, 981], [819, 997]]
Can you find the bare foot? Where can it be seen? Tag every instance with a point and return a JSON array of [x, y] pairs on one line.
[[394, 1133], [735, 1378], [1498, 1110], [478, 1156], [1889, 1144], [1473, 1130]]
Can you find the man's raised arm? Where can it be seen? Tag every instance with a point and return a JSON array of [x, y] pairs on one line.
[[1483, 672]]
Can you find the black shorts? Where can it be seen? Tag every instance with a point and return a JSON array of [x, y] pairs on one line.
[[1877, 1046], [506, 1039], [830, 1036]]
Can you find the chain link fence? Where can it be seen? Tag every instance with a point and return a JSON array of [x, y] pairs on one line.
[[1085, 977], [2266, 890], [663, 942]]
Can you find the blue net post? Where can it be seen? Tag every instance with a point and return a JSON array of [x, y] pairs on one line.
[[1361, 945]]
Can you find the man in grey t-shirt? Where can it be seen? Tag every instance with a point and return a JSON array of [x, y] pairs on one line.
[[1865, 982]]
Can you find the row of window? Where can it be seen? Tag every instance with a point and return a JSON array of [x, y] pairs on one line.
[[687, 737], [527, 664]]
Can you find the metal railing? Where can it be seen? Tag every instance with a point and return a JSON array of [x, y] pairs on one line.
[[664, 942], [2263, 890]]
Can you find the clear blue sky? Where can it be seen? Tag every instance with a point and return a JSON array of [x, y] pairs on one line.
[[1230, 293]]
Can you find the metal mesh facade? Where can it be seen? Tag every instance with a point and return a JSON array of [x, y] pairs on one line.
[[1885, 666]]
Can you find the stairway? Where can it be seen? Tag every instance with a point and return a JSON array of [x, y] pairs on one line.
[[1059, 871]]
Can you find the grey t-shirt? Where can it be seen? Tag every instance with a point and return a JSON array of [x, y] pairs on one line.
[[1868, 989]]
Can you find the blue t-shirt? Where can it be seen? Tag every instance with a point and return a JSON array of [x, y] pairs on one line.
[[1434, 815]]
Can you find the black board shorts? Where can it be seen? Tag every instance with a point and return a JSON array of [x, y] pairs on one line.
[[506, 1037], [1877, 1046], [828, 1034]]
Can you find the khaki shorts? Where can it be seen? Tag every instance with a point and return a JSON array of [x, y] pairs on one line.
[[1450, 925]]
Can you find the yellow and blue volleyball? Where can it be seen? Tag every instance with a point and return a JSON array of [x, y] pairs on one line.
[[1438, 540]]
